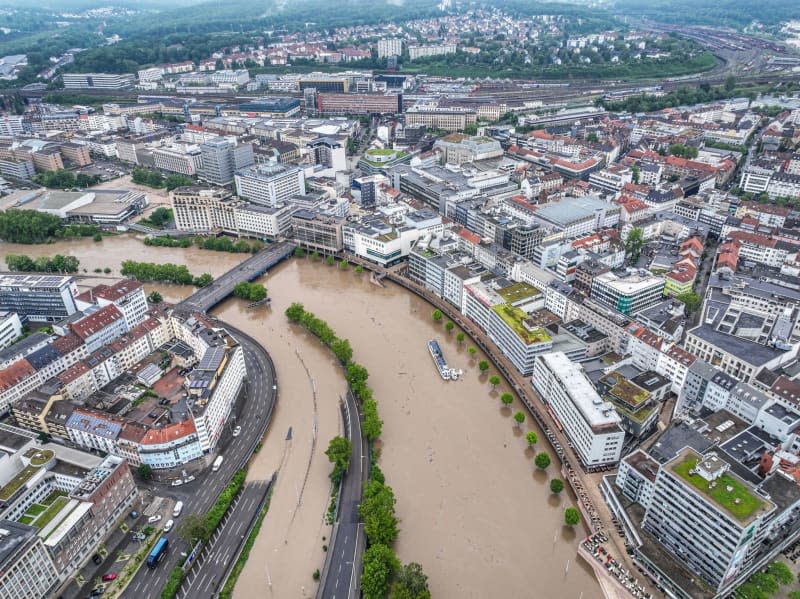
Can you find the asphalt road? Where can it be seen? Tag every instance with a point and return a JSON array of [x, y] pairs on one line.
[[342, 580], [207, 574], [209, 296], [200, 494]]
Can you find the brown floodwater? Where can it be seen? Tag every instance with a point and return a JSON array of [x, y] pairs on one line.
[[472, 509]]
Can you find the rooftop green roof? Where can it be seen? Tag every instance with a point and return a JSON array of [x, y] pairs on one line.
[[719, 494], [382, 152], [15, 483], [517, 292], [514, 318], [44, 519], [39, 457]]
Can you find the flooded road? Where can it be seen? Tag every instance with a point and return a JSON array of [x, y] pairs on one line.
[[472, 510]]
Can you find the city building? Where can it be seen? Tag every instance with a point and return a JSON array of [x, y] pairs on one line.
[[10, 328], [220, 159], [592, 424], [345, 104], [458, 148], [270, 185], [415, 52], [317, 233], [517, 335], [628, 293], [26, 568], [390, 47], [38, 298], [97, 80]]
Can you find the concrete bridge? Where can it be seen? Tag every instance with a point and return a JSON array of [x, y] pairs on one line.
[[209, 296]]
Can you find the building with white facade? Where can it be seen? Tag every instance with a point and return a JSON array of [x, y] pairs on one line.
[[39, 298], [628, 293], [592, 425], [10, 328], [171, 445], [97, 80], [390, 47], [26, 568], [270, 185]]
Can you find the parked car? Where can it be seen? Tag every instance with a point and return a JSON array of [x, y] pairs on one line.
[[97, 559], [189, 478], [154, 519], [98, 591], [237, 431], [134, 514], [177, 482], [109, 577]]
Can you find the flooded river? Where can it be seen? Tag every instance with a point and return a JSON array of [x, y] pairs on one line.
[[472, 509]]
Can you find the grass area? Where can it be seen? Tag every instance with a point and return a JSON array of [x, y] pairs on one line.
[[227, 590], [35, 510], [39, 457], [51, 512], [748, 503], [25, 520], [382, 152], [518, 291], [514, 318], [638, 417], [624, 390], [52, 497], [15, 483]]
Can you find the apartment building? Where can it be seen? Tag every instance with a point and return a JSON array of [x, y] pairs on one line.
[[10, 328], [390, 47], [592, 424], [415, 52], [440, 118], [176, 159]]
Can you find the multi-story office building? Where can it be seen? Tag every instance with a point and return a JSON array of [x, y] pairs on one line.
[[186, 161], [10, 328], [221, 159], [627, 293], [150, 75], [170, 446], [316, 232], [708, 517], [76, 153], [342, 103], [270, 185], [205, 210], [517, 336], [26, 568], [592, 425], [458, 148], [97, 80], [390, 47], [440, 118], [19, 168], [128, 297], [39, 298]]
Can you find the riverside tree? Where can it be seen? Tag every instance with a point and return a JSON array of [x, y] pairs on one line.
[[377, 511], [437, 315], [531, 438], [380, 564], [542, 460], [494, 380], [507, 399], [519, 417], [460, 337], [556, 486], [449, 326], [338, 452], [410, 582], [483, 366], [571, 516]]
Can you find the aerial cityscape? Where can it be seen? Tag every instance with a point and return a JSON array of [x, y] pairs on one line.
[[403, 299]]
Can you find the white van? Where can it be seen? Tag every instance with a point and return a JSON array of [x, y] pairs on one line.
[[176, 511], [217, 463], [168, 526]]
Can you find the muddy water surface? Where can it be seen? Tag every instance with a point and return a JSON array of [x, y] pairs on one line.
[[473, 511]]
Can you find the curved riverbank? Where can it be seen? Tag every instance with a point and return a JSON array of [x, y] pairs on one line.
[[473, 511]]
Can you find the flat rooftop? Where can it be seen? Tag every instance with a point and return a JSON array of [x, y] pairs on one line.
[[518, 292], [516, 321], [730, 494]]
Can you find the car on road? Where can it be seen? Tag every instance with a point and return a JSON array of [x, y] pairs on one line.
[[98, 591], [176, 511], [168, 526], [188, 479], [96, 559], [176, 483], [134, 514], [109, 577], [237, 431], [154, 519]]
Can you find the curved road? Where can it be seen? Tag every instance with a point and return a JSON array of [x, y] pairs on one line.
[[257, 403]]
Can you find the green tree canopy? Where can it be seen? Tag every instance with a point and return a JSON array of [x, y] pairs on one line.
[[483, 365], [691, 301], [194, 527], [437, 315], [542, 460], [633, 245], [377, 511], [571, 516], [410, 582], [556, 485], [519, 418], [531, 438], [380, 564], [338, 452]]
